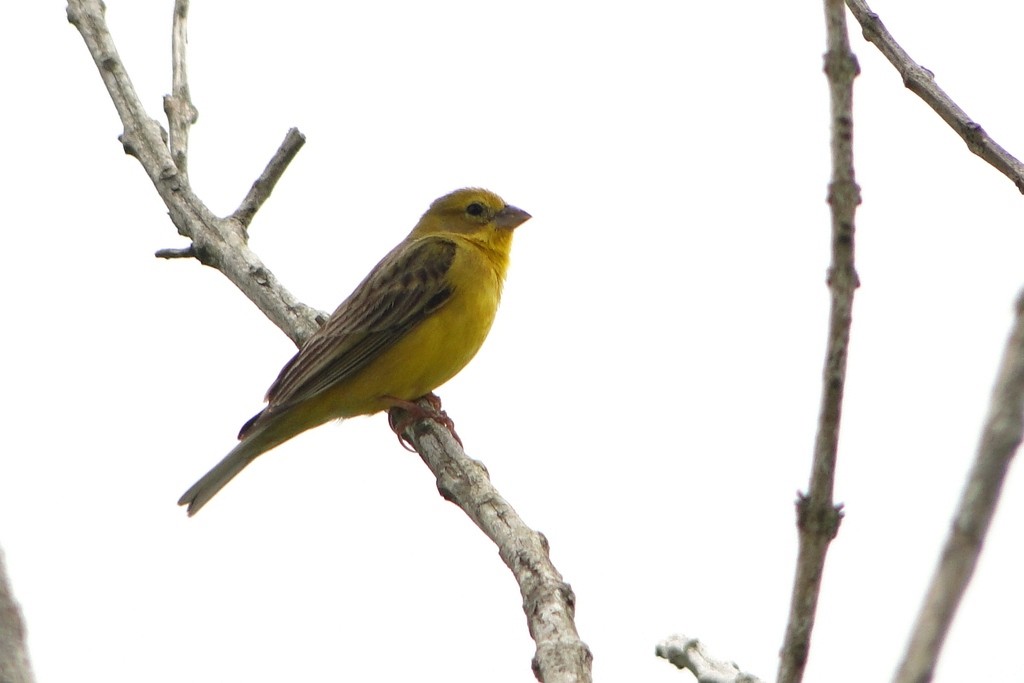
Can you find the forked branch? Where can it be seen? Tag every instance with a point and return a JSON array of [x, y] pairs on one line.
[[221, 243], [216, 242]]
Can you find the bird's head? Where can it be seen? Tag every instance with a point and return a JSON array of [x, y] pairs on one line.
[[474, 213]]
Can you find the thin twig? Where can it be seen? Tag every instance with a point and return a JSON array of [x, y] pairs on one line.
[[689, 653], [548, 601], [818, 517], [14, 662], [264, 185], [1000, 439], [921, 82], [172, 253], [181, 113], [216, 242]]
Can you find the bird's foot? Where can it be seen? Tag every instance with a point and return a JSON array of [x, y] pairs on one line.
[[403, 413]]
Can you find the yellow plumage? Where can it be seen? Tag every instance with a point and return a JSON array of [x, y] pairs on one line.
[[411, 325]]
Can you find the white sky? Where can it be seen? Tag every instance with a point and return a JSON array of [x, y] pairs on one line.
[[648, 394]]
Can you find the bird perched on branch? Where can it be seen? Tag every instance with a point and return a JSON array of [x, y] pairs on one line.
[[413, 323]]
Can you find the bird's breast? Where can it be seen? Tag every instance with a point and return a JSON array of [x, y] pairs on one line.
[[437, 348]]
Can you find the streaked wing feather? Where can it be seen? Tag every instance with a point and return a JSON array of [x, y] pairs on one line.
[[407, 285]]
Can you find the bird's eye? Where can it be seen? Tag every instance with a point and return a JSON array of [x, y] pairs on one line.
[[475, 209]]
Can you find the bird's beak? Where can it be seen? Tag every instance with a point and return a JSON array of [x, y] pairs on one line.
[[511, 217]]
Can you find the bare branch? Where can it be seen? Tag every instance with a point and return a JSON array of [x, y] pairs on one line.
[[178, 105], [216, 242], [264, 185], [221, 243], [548, 601], [818, 517], [922, 83], [689, 653], [14, 662], [1000, 439]]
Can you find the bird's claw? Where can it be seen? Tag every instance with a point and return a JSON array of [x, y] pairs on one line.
[[411, 411]]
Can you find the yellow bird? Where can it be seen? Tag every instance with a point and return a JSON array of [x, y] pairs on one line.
[[411, 325]]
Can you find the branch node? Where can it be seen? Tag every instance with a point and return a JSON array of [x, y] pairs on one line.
[[817, 519], [128, 145], [841, 65], [974, 135], [178, 107]]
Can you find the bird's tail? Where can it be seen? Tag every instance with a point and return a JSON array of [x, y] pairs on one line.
[[245, 452]]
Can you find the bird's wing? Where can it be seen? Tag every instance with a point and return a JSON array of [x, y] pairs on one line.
[[407, 285]]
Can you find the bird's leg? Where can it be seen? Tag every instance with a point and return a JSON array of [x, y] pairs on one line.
[[413, 411]]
